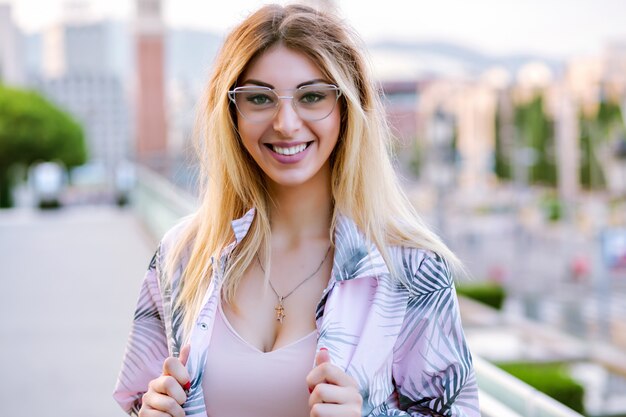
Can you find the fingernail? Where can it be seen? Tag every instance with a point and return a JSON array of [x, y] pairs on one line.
[[187, 386], [321, 349]]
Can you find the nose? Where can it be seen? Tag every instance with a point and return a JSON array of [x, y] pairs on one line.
[[286, 121]]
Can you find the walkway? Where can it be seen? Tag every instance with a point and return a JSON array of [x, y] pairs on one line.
[[70, 279]]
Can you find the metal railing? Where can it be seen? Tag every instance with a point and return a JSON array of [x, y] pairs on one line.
[[500, 390], [159, 203]]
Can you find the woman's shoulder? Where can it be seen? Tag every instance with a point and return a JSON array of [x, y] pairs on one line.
[[414, 255], [421, 268]]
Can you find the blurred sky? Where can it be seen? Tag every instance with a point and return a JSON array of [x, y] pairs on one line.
[[557, 28]]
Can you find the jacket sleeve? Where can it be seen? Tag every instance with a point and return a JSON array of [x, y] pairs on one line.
[[147, 344], [432, 368]]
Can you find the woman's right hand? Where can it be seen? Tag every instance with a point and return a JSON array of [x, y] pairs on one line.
[[166, 394]]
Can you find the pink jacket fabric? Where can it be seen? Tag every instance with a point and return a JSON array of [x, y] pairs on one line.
[[404, 345]]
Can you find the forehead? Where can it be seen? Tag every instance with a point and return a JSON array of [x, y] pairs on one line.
[[282, 67]]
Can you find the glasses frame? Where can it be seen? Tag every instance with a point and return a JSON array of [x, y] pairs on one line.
[[232, 98]]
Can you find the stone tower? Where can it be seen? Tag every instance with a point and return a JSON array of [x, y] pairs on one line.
[[151, 129]]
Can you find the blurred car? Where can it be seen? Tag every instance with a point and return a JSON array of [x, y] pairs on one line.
[[125, 181], [47, 180]]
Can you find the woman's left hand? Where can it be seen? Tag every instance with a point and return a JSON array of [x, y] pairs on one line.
[[333, 392]]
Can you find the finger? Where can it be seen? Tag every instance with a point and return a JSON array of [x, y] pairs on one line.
[[169, 386], [322, 356], [147, 411], [331, 374], [184, 354], [333, 394], [172, 366], [163, 403], [332, 410]]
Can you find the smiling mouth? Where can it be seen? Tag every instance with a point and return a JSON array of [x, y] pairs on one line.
[[288, 151]]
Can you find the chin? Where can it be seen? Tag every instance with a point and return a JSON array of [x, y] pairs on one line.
[[290, 182], [292, 179]]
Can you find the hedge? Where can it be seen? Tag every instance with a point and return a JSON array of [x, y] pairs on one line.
[[487, 293], [552, 379]]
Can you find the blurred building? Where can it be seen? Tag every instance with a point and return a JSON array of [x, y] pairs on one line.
[[615, 70], [85, 67], [82, 53], [99, 102], [11, 59], [471, 103], [99, 47], [33, 55], [589, 81], [469, 107], [568, 153], [189, 55], [151, 128], [400, 100], [583, 79]]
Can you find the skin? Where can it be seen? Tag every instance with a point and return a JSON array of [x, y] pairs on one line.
[[300, 222], [166, 395], [333, 392], [285, 69]]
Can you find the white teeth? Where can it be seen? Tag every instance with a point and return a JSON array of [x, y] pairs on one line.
[[289, 151]]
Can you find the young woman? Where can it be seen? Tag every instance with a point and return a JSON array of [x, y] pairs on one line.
[[305, 285]]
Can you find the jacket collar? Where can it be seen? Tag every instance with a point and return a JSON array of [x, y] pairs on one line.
[[355, 256]]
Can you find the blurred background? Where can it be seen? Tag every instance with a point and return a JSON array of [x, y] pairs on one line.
[[511, 141]]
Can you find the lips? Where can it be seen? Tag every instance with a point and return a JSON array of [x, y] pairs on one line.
[[288, 150]]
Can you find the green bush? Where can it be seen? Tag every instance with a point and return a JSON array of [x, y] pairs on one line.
[[487, 293], [552, 379], [552, 207]]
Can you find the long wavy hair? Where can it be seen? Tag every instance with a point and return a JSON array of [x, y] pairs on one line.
[[364, 185]]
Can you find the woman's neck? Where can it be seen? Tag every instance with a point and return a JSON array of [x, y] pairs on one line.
[[302, 212]]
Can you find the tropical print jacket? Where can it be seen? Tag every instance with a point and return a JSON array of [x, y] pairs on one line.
[[404, 346]]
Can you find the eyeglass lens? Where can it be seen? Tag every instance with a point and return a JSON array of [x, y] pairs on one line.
[[310, 103]]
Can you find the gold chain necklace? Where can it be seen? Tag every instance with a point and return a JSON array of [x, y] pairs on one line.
[[280, 308]]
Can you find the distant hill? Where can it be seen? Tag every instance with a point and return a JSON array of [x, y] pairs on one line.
[[444, 58], [191, 53]]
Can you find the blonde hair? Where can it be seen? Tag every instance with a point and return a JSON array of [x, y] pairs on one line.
[[364, 184]]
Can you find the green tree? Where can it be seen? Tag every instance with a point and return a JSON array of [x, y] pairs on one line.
[[416, 157], [502, 154], [536, 131], [33, 129], [595, 131], [591, 173], [609, 117]]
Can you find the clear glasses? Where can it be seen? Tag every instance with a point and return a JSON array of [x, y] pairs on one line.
[[260, 104]]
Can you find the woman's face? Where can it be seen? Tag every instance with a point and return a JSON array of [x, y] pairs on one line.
[[290, 150]]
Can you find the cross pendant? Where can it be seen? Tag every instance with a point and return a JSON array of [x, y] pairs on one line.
[[280, 310]]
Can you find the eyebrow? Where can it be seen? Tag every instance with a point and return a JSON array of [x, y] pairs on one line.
[[263, 84]]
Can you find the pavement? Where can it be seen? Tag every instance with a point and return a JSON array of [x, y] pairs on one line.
[[70, 280]]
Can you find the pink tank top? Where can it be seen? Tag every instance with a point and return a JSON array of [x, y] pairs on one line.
[[240, 380]]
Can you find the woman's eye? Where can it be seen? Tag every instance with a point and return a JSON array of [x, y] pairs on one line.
[[259, 99], [312, 97]]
